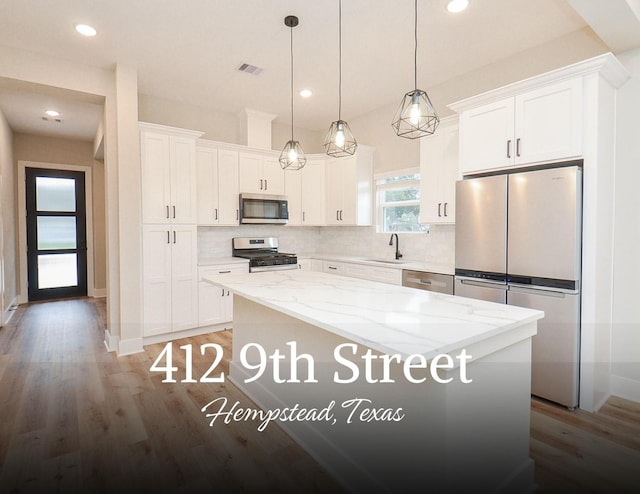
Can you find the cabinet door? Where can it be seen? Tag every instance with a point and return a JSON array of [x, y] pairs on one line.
[[292, 189], [207, 186], [304, 264], [312, 187], [183, 180], [211, 308], [156, 279], [487, 137], [251, 179], [334, 191], [273, 176], [184, 275], [438, 175], [549, 123], [156, 177], [333, 267], [349, 209], [228, 187]]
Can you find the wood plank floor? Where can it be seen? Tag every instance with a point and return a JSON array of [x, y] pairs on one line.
[[74, 418]]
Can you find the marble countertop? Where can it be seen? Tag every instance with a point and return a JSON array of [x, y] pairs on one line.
[[429, 267], [388, 318], [214, 261]]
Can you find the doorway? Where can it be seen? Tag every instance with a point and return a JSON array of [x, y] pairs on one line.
[[56, 233]]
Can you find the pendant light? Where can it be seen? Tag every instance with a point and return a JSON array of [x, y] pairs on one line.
[[339, 140], [416, 116], [292, 156]]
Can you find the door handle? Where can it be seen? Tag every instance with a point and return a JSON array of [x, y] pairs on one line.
[[337, 215], [445, 209], [439, 206], [261, 184], [168, 237], [174, 212], [509, 148], [518, 147], [224, 272], [266, 184], [216, 213], [167, 212], [174, 236], [341, 215], [332, 267], [237, 214]]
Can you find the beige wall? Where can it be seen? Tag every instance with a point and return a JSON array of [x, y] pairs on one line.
[[8, 221], [72, 152]]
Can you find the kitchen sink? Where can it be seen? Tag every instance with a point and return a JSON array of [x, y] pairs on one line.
[[388, 261]]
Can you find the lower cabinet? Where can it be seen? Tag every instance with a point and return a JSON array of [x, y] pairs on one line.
[[215, 305], [364, 271], [170, 278]]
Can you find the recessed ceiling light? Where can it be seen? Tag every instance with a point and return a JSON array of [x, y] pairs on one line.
[[305, 93], [85, 30], [53, 113], [456, 6]]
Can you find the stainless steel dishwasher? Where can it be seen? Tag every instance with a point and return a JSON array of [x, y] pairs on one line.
[[434, 282]]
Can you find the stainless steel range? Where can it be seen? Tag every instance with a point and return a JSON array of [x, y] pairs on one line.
[[263, 254]]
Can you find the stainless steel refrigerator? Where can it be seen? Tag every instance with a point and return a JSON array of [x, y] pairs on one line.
[[518, 241]]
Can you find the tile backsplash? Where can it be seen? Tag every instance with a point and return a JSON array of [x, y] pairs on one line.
[[436, 246]]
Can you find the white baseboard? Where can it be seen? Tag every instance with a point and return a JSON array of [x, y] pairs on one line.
[[8, 313], [187, 333], [626, 388], [110, 341], [130, 346], [99, 293]]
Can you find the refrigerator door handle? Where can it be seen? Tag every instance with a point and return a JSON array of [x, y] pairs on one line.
[[543, 291]]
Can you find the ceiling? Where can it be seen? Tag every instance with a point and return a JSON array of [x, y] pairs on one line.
[[189, 51]]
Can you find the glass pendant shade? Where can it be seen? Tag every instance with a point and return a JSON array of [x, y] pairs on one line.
[[416, 116], [292, 156], [340, 141]]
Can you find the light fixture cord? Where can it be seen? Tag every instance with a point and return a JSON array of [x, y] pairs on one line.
[[291, 83], [340, 60], [415, 45]]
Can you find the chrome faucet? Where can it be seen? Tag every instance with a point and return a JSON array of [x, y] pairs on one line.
[[398, 255]]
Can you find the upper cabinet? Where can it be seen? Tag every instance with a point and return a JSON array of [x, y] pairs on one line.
[[168, 174], [305, 191], [349, 183], [217, 185], [438, 174], [535, 126], [260, 173]]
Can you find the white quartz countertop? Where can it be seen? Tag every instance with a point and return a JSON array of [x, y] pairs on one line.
[[388, 318], [215, 261], [429, 267]]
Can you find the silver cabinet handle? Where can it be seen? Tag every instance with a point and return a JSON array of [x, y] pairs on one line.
[[216, 213], [332, 267], [509, 148], [445, 209], [174, 212], [168, 237], [261, 184], [266, 184], [439, 206], [174, 236], [167, 212], [518, 147], [224, 272]]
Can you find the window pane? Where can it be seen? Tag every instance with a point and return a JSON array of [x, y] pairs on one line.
[[57, 270], [407, 194], [399, 178], [56, 232], [55, 194], [402, 219]]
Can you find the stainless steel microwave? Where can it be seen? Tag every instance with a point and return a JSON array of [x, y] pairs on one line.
[[263, 208]]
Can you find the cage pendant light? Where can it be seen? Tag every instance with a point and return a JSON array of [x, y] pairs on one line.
[[292, 156], [416, 116], [339, 141]]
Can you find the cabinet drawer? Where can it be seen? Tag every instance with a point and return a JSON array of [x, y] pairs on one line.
[[333, 267], [204, 271], [433, 282]]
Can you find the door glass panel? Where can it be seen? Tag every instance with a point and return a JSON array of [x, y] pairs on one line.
[[56, 232], [57, 270], [55, 194]]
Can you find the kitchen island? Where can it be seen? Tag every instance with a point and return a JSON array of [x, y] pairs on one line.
[[391, 411]]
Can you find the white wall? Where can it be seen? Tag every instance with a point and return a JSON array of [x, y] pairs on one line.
[[625, 341], [8, 222]]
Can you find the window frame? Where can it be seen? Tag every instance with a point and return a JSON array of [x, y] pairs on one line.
[[381, 204]]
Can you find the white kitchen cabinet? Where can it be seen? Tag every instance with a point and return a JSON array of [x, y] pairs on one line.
[[349, 189], [217, 185], [168, 174], [305, 191], [438, 174], [170, 278], [373, 273], [539, 125], [260, 173], [333, 267], [305, 264], [215, 305]]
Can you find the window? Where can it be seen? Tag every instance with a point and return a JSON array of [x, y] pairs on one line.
[[398, 202]]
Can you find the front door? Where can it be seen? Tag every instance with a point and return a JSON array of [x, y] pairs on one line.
[[56, 234]]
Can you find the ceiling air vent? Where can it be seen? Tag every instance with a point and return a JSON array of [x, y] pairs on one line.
[[250, 69]]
